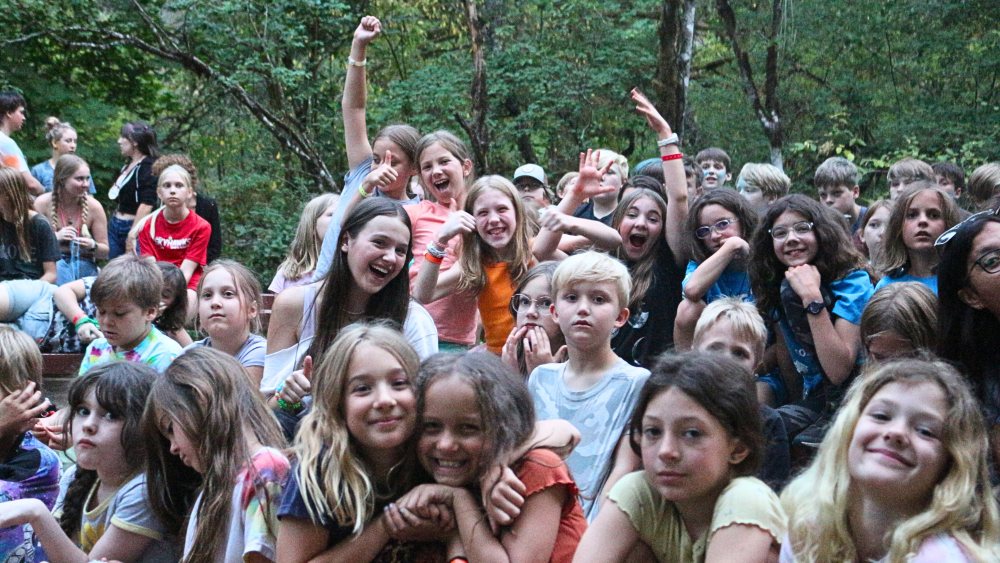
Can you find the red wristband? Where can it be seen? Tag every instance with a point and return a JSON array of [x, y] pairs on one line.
[[667, 157], [78, 317], [431, 258], [458, 558]]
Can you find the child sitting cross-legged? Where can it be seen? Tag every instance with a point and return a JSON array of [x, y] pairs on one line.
[[595, 390]]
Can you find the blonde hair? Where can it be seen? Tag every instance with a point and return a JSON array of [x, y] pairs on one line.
[[20, 361], [908, 310], [895, 257], [247, 288], [303, 254], [331, 474], [984, 184], [746, 320], [606, 155], [962, 504], [593, 267], [564, 182], [767, 178], [180, 171], [56, 129], [66, 166], [14, 190], [476, 253], [184, 161], [910, 169]]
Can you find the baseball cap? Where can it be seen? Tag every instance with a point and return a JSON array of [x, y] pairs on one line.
[[532, 171]]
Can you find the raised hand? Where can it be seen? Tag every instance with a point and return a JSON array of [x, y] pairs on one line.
[[509, 352], [588, 183], [458, 223], [368, 29], [652, 115]]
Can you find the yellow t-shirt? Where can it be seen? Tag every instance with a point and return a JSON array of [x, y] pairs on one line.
[[746, 500]]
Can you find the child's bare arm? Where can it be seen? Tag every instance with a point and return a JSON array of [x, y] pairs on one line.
[[625, 462], [609, 539], [741, 543], [355, 96], [286, 314], [708, 272]]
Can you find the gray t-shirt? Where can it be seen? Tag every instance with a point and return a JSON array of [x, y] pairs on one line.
[[600, 413], [250, 355], [129, 510]]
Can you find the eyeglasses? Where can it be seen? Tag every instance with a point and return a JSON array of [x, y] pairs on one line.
[[801, 229], [706, 231], [989, 262], [520, 303]]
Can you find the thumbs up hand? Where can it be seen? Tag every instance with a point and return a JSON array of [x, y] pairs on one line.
[[298, 384], [383, 175]]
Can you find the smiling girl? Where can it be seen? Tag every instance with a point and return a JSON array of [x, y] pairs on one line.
[[473, 413], [496, 255], [176, 234], [920, 214], [368, 280], [698, 430], [719, 226], [102, 510], [812, 284], [902, 475], [77, 219]]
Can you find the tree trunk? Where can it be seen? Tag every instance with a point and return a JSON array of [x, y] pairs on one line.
[[477, 130], [673, 64], [766, 108]]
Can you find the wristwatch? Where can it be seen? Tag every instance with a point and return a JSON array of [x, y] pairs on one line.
[[671, 140], [815, 307]]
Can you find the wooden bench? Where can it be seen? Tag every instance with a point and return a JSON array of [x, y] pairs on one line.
[[265, 312]]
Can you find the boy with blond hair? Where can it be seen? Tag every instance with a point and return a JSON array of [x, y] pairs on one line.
[[762, 185], [907, 171], [836, 181], [594, 390]]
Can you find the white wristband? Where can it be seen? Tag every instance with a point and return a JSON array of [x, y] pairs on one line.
[[353, 62], [671, 140]]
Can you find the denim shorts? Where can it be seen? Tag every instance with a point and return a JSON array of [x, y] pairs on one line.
[[117, 234], [31, 306]]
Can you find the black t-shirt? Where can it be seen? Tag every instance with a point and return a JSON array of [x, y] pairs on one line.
[[586, 211], [44, 248], [139, 188], [649, 333], [208, 209]]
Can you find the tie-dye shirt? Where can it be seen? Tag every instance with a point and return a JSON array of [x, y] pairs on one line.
[[31, 471], [253, 522], [128, 509], [156, 350]]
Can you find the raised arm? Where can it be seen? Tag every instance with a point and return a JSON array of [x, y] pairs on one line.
[[673, 177], [588, 185], [355, 94]]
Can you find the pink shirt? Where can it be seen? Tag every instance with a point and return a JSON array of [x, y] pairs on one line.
[[454, 315]]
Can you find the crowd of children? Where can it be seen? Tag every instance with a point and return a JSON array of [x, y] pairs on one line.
[[668, 369]]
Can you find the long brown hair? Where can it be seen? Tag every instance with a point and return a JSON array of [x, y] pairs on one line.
[[14, 191], [208, 395], [641, 269], [836, 255], [894, 260]]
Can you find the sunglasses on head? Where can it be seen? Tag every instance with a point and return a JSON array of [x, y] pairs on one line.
[[946, 236]]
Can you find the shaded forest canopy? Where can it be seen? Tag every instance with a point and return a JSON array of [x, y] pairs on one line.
[[251, 88]]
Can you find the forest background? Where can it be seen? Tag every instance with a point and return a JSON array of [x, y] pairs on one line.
[[251, 89]]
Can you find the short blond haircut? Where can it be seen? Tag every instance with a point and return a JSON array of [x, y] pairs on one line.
[[984, 184], [911, 170], [746, 320], [593, 267], [768, 178], [605, 155], [20, 361]]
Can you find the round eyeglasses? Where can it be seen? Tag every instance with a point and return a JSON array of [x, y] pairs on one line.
[[521, 303], [706, 231], [801, 229]]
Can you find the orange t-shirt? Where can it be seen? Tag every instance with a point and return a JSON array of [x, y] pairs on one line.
[[453, 314], [494, 303], [541, 469]]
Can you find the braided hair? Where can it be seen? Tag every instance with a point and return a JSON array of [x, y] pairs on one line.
[[66, 166]]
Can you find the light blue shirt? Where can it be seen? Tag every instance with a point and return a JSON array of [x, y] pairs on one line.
[[931, 282], [43, 172]]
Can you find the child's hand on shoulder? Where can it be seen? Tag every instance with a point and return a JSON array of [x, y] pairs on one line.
[[805, 280], [368, 29], [503, 496], [459, 223]]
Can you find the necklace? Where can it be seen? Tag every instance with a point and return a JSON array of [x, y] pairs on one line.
[[353, 313]]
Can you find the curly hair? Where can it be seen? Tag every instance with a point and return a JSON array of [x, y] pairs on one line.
[[729, 200], [835, 257]]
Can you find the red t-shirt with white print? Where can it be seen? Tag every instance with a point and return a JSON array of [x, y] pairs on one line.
[[176, 242]]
